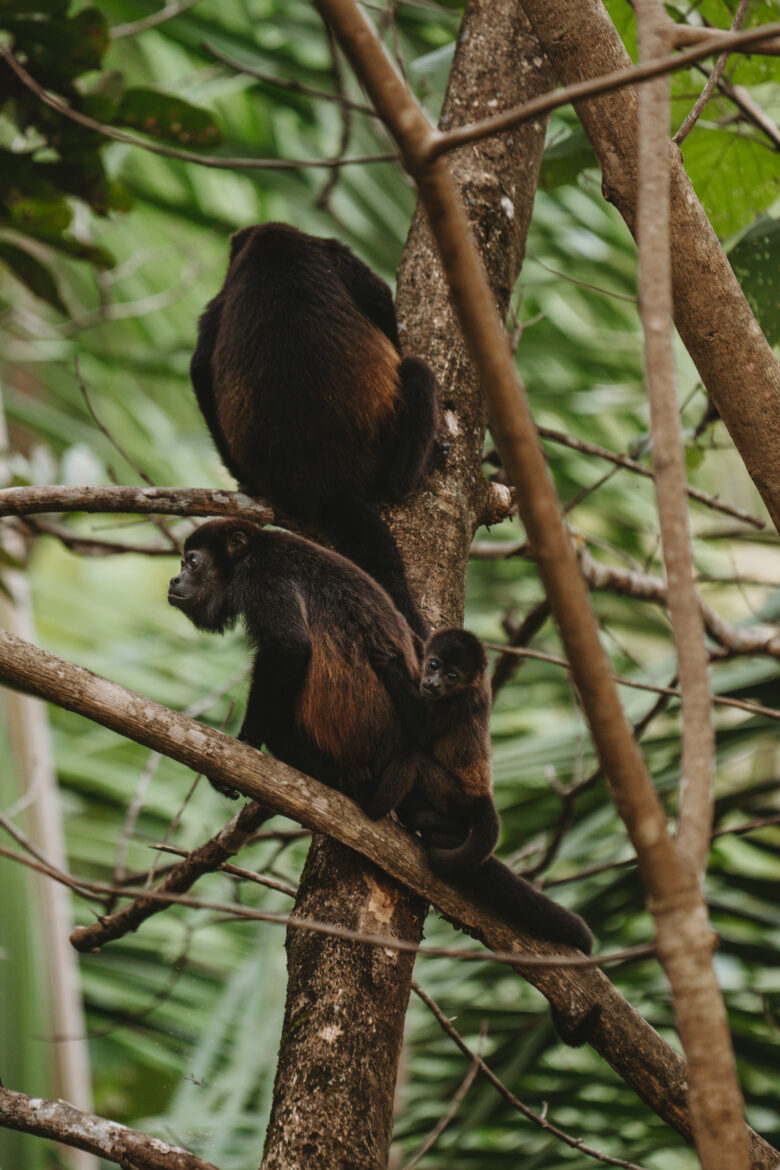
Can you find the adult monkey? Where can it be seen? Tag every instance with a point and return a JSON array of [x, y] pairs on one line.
[[315, 621], [298, 373]]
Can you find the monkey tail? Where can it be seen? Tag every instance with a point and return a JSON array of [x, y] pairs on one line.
[[528, 908], [531, 910], [360, 534], [480, 842]]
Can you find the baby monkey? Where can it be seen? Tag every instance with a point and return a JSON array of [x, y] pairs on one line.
[[443, 785]]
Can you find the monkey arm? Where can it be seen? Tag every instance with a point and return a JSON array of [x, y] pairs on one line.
[[278, 676], [411, 708], [369, 292]]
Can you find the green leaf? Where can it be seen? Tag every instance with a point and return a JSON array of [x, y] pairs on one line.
[[565, 160], [31, 273], [59, 50], [694, 457], [41, 217], [47, 8], [167, 117], [735, 177], [756, 263]]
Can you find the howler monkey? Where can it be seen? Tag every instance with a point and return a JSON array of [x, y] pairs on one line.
[[445, 788], [316, 622], [299, 377]]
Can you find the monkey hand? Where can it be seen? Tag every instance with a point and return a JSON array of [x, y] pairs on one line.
[[225, 789]]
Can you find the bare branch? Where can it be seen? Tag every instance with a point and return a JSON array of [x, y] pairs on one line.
[[205, 859], [447, 1116], [171, 9], [712, 80], [60, 1122], [169, 501], [515, 1102], [754, 40], [588, 448]]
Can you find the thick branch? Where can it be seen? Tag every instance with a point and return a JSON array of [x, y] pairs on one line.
[[61, 1122], [160, 501], [710, 310]]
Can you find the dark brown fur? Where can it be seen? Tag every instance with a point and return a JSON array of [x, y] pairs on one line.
[[299, 377], [443, 786]]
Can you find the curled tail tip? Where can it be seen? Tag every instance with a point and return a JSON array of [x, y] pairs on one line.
[[472, 853]]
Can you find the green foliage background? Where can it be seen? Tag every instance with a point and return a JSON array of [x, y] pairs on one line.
[[107, 255]]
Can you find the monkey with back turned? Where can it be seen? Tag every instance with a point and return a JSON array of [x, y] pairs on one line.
[[298, 373]]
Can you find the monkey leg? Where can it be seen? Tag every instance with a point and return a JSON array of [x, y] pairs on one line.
[[416, 428], [395, 781]]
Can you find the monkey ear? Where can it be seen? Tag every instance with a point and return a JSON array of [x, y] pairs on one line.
[[238, 240], [237, 542]]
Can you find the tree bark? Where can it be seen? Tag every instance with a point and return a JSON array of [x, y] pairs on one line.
[[343, 1113], [714, 320]]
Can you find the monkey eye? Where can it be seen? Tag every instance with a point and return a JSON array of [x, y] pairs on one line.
[[451, 675], [191, 560], [433, 664]]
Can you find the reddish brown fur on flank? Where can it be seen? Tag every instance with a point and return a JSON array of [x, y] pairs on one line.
[[368, 360], [343, 707]]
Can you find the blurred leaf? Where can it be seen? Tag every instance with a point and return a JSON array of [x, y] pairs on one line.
[[167, 117], [735, 177], [564, 161], [756, 262], [37, 278]]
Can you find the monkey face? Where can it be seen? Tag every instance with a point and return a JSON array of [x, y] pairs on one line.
[[440, 680], [199, 591]]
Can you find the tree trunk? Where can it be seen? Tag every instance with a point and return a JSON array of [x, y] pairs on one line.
[[346, 1006]]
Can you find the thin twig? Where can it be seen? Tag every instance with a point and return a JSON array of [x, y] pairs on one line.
[[515, 1102], [605, 866], [755, 40], [171, 9], [458, 1097], [673, 692], [204, 160], [288, 83], [630, 464], [86, 545], [712, 81]]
